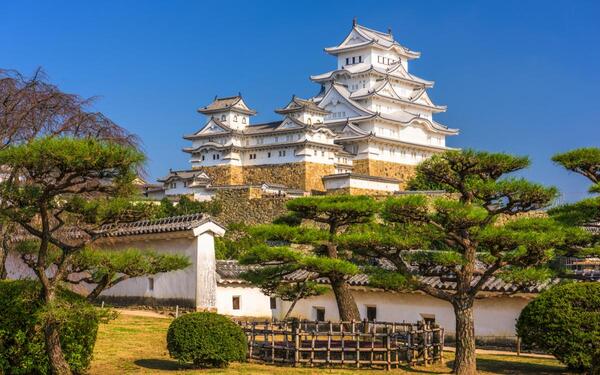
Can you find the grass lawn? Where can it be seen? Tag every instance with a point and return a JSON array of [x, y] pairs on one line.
[[137, 345]]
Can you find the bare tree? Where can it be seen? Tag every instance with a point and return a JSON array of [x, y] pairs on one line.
[[31, 107]]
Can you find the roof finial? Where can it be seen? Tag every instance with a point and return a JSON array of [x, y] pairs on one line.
[[354, 22], [239, 93], [216, 96], [389, 31]]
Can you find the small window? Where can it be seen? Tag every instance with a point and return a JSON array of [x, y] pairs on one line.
[[234, 118], [243, 120], [428, 319], [223, 117], [309, 121], [347, 61], [353, 59], [359, 59], [202, 157], [273, 303], [151, 283], [235, 302], [268, 154], [371, 313], [319, 314], [185, 183]]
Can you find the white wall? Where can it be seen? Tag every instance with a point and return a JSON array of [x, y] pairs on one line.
[[253, 303], [172, 285], [494, 316], [358, 183]]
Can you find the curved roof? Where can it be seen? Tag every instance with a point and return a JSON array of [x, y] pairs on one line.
[[370, 37], [230, 103], [395, 71], [297, 104]]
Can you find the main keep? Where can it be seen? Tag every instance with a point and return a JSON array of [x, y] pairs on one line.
[[367, 128]]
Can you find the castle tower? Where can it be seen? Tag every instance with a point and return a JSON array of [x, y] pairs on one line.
[[231, 111], [381, 112]]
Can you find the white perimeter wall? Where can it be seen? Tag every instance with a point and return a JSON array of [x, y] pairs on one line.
[[171, 285], [494, 316], [253, 302]]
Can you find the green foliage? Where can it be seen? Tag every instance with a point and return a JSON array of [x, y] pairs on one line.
[[565, 321], [420, 183], [336, 210], [109, 267], [22, 316], [186, 206], [236, 242], [585, 161], [579, 213], [206, 339]]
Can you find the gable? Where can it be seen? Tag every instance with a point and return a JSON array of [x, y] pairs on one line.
[[288, 123], [212, 127], [341, 107], [354, 38]]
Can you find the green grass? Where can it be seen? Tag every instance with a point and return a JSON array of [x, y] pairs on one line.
[[137, 345]]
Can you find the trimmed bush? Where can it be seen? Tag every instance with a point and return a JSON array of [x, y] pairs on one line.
[[22, 345], [565, 321], [206, 339]]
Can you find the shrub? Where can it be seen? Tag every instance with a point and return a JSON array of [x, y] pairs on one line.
[[565, 321], [22, 345], [206, 340]]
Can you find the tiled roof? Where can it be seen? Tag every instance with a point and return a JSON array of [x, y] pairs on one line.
[[230, 271], [165, 225], [230, 102]]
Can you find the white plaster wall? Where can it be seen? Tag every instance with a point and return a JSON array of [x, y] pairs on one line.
[[495, 316], [177, 284], [339, 183], [253, 303]]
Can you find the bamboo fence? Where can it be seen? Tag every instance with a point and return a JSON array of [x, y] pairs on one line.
[[356, 344]]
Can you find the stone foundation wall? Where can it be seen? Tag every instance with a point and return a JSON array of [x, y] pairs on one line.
[[289, 174], [402, 172], [303, 175], [224, 175], [246, 205]]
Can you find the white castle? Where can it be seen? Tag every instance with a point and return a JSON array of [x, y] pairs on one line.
[[367, 128]]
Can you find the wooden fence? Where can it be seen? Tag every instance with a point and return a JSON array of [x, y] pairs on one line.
[[355, 344]]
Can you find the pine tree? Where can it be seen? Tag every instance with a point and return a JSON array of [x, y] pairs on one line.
[[464, 237], [66, 193], [310, 249]]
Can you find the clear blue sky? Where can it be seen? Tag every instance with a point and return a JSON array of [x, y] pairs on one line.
[[517, 76]]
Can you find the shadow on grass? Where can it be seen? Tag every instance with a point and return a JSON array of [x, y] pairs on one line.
[[499, 366], [160, 364]]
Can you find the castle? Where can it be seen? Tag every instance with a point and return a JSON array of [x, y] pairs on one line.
[[364, 132]]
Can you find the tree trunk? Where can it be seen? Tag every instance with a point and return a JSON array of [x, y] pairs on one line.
[[3, 256], [345, 300], [54, 351], [464, 363], [58, 364]]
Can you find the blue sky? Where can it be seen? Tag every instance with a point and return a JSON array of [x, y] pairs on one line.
[[517, 76]]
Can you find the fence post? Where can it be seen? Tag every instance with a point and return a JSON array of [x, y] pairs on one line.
[[176, 311], [296, 339], [518, 345]]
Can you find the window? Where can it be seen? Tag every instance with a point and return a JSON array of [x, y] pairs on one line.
[[371, 313], [273, 303], [234, 118], [353, 59], [309, 121], [216, 156], [322, 153], [223, 117], [151, 283], [319, 313], [359, 59], [185, 183], [235, 302], [173, 185], [347, 61], [243, 120], [202, 157], [269, 154], [282, 153], [428, 319], [252, 156]]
